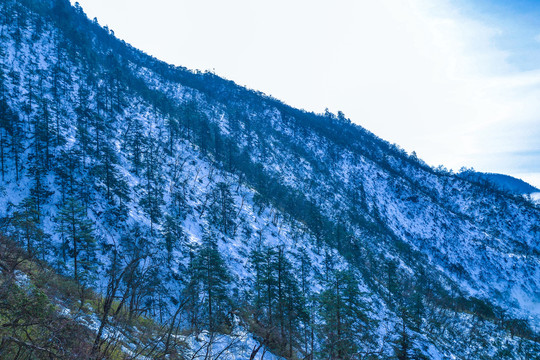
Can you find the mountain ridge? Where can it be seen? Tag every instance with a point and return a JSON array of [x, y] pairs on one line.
[[502, 181]]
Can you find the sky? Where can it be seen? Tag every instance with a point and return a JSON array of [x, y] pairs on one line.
[[458, 82]]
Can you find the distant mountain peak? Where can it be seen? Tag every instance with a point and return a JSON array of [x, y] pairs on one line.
[[502, 182]]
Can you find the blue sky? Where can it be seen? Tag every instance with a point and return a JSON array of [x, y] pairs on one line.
[[456, 81], [519, 22], [517, 34]]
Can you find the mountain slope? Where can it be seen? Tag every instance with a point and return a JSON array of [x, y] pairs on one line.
[[501, 181], [236, 212]]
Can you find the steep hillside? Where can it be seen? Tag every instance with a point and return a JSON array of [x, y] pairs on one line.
[[247, 227]]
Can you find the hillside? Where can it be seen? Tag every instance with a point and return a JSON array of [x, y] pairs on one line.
[[42, 316], [244, 226], [501, 182]]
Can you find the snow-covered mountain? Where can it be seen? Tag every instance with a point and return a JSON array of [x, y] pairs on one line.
[[501, 182], [217, 210]]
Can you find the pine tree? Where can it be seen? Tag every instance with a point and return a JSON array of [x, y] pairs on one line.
[[60, 81], [28, 229], [152, 199], [222, 213], [106, 171], [173, 234], [44, 131], [191, 293], [135, 144], [304, 271], [77, 230], [343, 316], [177, 209], [69, 172], [292, 303], [402, 346], [39, 190], [10, 138], [392, 283], [84, 116], [278, 299], [211, 275], [30, 87], [265, 284]]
